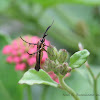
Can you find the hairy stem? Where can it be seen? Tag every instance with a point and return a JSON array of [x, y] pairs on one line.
[[65, 87]]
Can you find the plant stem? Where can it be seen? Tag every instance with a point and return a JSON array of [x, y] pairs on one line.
[[95, 89], [44, 92], [92, 75], [89, 69], [94, 80], [29, 92], [65, 87], [98, 75]]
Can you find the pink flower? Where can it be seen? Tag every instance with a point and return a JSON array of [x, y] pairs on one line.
[[56, 80], [21, 66], [16, 59], [15, 44], [67, 75], [21, 51], [24, 56], [31, 60], [7, 49], [44, 56], [32, 50], [9, 59], [14, 52], [47, 42], [35, 39], [53, 76]]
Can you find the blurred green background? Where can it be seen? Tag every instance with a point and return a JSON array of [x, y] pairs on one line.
[[74, 21]]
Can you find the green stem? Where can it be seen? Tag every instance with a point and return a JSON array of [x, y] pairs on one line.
[[29, 92], [89, 69], [94, 80], [95, 89], [44, 92], [98, 75], [65, 87]]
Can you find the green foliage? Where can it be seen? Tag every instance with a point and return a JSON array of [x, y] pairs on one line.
[[4, 4], [78, 59], [47, 3], [9, 79], [4, 94], [4, 40], [9, 88], [32, 77]]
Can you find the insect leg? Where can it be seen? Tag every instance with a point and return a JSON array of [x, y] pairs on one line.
[[47, 51], [35, 52], [46, 45], [28, 42]]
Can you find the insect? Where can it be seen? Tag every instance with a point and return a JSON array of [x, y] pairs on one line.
[[40, 48]]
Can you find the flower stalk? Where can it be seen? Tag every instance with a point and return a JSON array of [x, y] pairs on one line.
[[92, 75], [94, 80], [65, 87]]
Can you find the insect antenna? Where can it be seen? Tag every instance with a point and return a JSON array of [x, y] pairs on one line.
[[28, 42], [47, 30]]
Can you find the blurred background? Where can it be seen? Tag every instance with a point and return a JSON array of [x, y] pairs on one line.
[[74, 21]]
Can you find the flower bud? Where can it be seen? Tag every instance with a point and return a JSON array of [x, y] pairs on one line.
[[58, 69], [64, 69], [49, 65], [52, 53], [69, 69], [62, 55]]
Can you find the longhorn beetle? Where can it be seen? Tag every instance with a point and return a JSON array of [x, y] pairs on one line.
[[40, 48]]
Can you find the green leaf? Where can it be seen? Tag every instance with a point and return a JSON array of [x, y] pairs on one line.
[[32, 77], [79, 58]]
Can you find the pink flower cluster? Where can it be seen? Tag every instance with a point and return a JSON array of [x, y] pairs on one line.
[[17, 52]]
